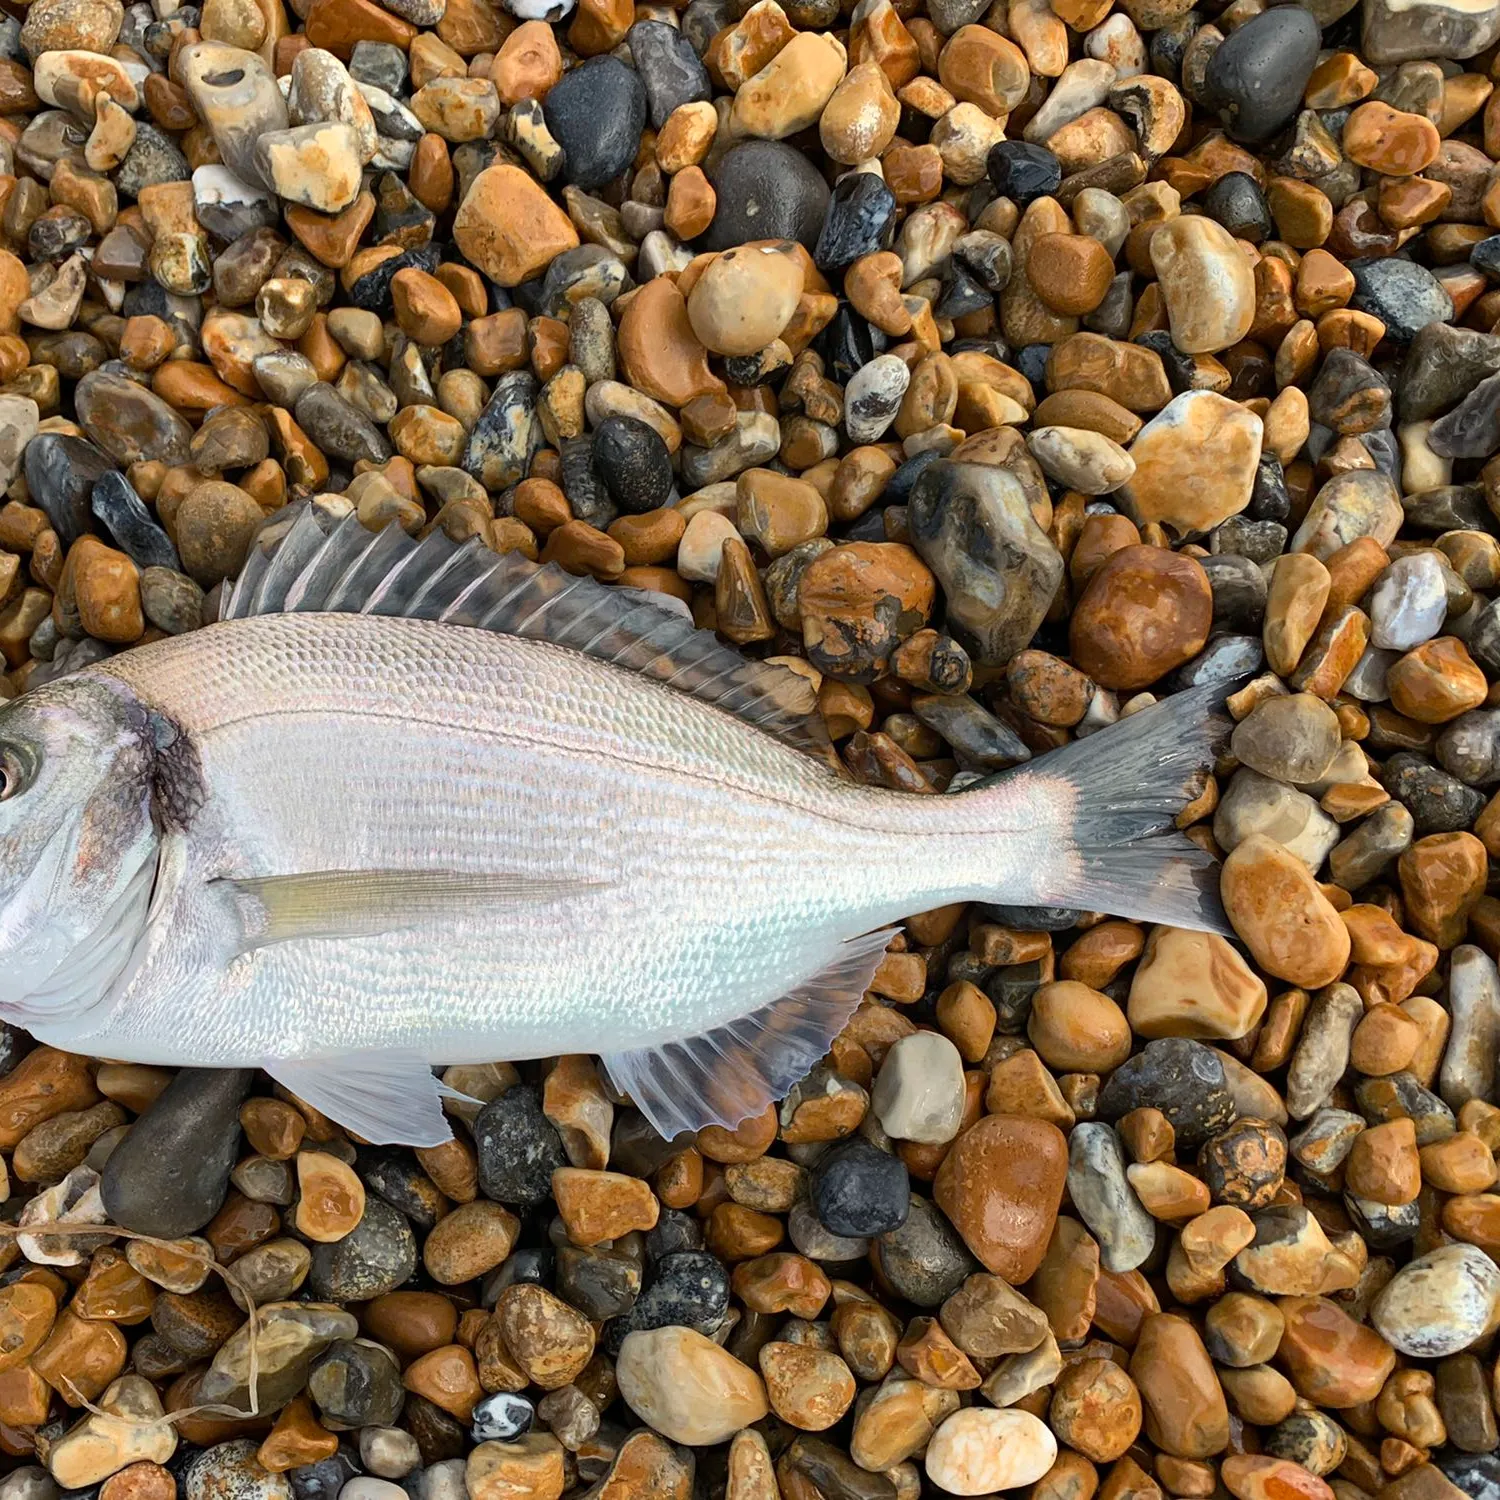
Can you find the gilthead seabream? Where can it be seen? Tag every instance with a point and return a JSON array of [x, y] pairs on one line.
[[413, 803]]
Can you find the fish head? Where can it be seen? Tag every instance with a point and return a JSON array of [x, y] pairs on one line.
[[78, 846]]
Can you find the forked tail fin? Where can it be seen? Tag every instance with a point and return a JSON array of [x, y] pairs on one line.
[[1111, 800]]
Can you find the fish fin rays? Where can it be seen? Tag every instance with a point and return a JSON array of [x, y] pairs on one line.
[[365, 903], [303, 559], [728, 1074], [1121, 790], [391, 1098]]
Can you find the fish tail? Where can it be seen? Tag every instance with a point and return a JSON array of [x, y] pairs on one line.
[[1107, 804]]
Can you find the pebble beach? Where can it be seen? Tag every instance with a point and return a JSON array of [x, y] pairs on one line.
[[1002, 367]]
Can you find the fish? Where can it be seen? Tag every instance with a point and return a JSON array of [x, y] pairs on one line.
[[410, 803]]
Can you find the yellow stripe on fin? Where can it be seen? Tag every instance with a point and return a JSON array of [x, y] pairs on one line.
[[364, 903]]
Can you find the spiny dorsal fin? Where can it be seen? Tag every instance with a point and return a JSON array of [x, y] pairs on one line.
[[306, 560]]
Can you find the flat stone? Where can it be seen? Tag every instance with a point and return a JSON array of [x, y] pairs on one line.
[[766, 190], [1104, 1199], [235, 94], [596, 113], [509, 227], [61, 471], [130, 422], [1405, 297], [1195, 463], [123, 514], [974, 528], [1393, 32], [170, 1174]]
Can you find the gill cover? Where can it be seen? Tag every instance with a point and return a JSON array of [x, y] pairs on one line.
[[77, 849]]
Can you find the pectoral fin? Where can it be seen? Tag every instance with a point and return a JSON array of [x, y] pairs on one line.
[[727, 1075], [364, 903], [389, 1098]]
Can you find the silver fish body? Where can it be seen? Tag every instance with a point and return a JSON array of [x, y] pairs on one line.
[[716, 868], [347, 846]]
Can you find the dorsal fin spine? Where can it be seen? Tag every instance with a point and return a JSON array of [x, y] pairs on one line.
[[307, 560]]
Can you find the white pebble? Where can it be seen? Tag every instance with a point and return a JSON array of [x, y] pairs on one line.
[[873, 397], [1439, 1303], [702, 546], [980, 1450], [1409, 602], [919, 1095], [366, 1487], [389, 1452]]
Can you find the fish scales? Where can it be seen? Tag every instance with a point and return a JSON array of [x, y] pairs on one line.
[[727, 866], [416, 803]]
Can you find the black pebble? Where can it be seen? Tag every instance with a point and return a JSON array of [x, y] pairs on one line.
[[860, 220], [669, 69], [691, 1289], [674, 1231], [1183, 1079], [767, 190], [1031, 361], [374, 1259], [1237, 202], [587, 495], [601, 1283], [924, 1260], [1476, 1474], [1485, 256], [634, 464], [1256, 76], [1438, 802], [1270, 500], [899, 486], [124, 516], [324, 1479], [1239, 591], [596, 113], [1181, 368], [1169, 42], [961, 294], [372, 291], [1405, 297], [170, 1174], [1023, 172], [518, 1148], [847, 344], [1033, 918], [61, 471], [858, 1190]]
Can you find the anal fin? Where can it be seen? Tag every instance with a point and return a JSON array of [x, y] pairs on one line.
[[726, 1075], [364, 903], [389, 1098]]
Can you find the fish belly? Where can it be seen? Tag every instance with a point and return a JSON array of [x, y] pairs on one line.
[[715, 868]]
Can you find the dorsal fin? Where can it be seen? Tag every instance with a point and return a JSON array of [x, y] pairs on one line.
[[304, 559]]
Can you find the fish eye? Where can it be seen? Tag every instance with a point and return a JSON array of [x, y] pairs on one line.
[[16, 771]]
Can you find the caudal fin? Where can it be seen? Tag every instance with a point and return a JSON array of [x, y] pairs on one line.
[[1117, 793]]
